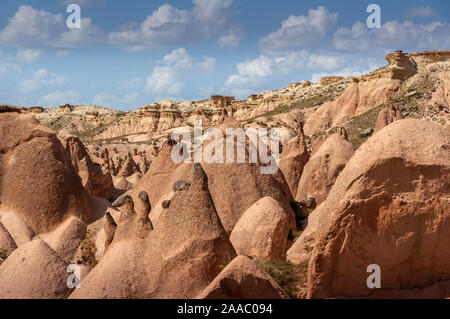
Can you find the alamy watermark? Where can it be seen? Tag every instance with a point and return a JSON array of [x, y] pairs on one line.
[[374, 20], [74, 19], [74, 279], [190, 148]]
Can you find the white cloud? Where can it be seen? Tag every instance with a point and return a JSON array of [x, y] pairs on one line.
[[231, 39], [110, 100], [208, 64], [393, 35], [163, 80], [421, 12], [168, 26], [323, 62], [178, 58], [39, 80], [29, 55], [167, 76], [301, 31], [254, 75], [22, 56], [134, 83], [30, 27], [59, 98]]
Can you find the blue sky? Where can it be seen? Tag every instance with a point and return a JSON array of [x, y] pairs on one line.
[[131, 53]]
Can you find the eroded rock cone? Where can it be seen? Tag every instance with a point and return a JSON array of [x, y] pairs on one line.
[[293, 159], [188, 239], [91, 174], [262, 232], [388, 115], [34, 271], [234, 187], [38, 181], [324, 167], [128, 168], [243, 279], [389, 207]]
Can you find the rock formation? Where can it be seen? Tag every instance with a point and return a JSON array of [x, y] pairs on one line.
[[242, 279], [187, 239], [327, 80], [37, 180], [34, 271], [387, 207], [387, 115], [93, 179], [262, 231], [129, 167], [324, 166], [293, 159]]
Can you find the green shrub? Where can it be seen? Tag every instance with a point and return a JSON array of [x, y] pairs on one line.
[[88, 249], [289, 276]]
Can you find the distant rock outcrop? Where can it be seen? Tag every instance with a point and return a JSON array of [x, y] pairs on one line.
[[387, 115], [293, 159], [389, 207], [324, 166], [92, 177], [129, 167]]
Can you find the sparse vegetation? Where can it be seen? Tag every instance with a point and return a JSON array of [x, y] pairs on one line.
[[361, 123], [88, 249], [3, 255], [289, 276]]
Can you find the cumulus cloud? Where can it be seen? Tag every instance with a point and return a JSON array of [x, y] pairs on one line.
[[22, 56], [254, 75], [166, 78], [421, 12], [7, 68], [323, 62], [168, 26], [28, 56], [301, 31], [59, 98], [39, 80], [393, 35], [34, 28], [111, 100]]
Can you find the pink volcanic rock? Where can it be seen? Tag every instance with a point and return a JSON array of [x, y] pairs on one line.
[[242, 279], [37, 178], [262, 231], [324, 167], [293, 160], [390, 207]]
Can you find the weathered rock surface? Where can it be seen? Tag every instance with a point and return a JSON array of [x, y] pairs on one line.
[[358, 98], [390, 207], [37, 179], [324, 166], [187, 239], [262, 231], [293, 160], [242, 279], [34, 271], [92, 177], [6, 241], [387, 115]]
